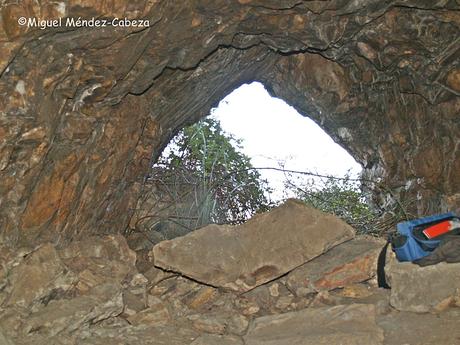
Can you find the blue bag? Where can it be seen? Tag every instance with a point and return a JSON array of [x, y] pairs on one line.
[[411, 245]]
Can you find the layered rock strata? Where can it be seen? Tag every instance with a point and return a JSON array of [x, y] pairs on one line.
[[85, 110]]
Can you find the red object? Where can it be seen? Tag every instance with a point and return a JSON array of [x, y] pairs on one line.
[[439, 229]]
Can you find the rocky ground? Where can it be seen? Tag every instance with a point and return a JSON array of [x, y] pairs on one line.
[[291, 276]]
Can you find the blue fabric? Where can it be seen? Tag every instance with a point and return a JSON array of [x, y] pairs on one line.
[[411, 249]]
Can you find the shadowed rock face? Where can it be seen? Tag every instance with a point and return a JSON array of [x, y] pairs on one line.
[[84, 111]]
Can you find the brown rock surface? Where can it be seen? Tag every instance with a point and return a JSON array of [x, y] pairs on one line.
[[5, 341], [154, 316], [347, 325], [121, 306], [38, 277], [98, 260], [402, 328], [69, 315], [350, 262], [209, 339], [83, 110], [245, 256], [423, 289]]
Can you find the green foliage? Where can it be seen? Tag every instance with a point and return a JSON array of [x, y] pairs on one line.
[[341, 197], [203, 177], [208, 178]]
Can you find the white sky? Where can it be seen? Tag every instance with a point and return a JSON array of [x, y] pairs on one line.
[[272, 130]]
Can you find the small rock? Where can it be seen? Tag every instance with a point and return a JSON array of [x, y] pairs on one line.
[[356, 291], [133, 303], [203, 296], [274, 290], [152, 317], [324, 298], [139, 280], [212, 339], [247, 306], [220, 322], [423, 289], [260, 296], [300, 303], [284, 302], [210, 324], [237, 324]]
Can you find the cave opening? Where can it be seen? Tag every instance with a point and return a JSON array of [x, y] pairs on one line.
[[276, 135], [251, 152]]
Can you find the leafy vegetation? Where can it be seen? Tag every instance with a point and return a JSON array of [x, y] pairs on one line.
[[207, 178], [342, 197], [203, 177]]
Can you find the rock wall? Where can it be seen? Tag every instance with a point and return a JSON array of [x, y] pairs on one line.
[[85, 110]]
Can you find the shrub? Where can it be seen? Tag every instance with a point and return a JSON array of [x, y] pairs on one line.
[[205, 178], [342, 197]]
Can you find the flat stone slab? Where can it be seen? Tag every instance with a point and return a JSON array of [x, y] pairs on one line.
[[423, 289], [344, 324], [248, 255], [350, 262], [404, 328]]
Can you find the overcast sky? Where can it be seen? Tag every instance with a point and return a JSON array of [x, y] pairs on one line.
[[272, 130]]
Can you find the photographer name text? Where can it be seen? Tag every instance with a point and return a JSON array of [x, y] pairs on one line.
[[82, 22]]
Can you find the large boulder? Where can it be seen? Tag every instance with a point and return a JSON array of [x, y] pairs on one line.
[[423, 289], [343, 324], [350, 262], [245, 256]]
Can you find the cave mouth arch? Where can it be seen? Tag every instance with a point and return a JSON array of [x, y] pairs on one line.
[[279, 145], [83, 111]]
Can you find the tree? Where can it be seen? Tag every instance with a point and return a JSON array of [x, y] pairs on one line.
[[208, 179]]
